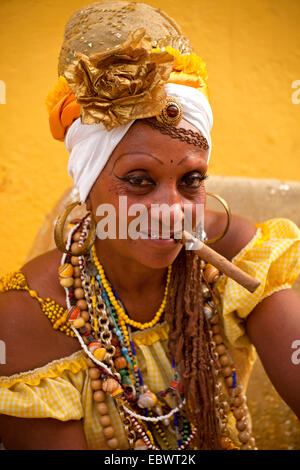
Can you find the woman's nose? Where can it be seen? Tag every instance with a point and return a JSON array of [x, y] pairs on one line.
[[167, 212]]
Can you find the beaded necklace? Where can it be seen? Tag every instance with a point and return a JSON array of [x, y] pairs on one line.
[[125, 322], [103, 329], [120, 311]]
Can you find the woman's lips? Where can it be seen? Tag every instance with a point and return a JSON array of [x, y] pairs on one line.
[[158, 240]]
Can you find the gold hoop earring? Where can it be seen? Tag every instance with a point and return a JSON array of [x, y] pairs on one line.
[[59, 230], [228, 212]]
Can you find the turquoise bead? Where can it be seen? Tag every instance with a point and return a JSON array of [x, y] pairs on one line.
[[126, 380]]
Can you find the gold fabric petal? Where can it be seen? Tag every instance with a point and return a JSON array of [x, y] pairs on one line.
[[121, 84]]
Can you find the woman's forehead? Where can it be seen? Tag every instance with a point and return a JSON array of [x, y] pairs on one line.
[[142, 138]]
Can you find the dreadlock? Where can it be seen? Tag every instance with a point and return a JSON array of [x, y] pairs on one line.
[[189, 346]]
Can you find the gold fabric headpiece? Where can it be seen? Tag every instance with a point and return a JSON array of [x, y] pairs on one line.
[[114, 62]]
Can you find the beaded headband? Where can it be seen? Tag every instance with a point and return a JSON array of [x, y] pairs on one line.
[[185, 135]]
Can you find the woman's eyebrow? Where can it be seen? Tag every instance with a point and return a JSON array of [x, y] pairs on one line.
[[137, 153], [190, 154]]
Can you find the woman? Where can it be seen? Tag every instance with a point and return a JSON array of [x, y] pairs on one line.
[[147, 345]]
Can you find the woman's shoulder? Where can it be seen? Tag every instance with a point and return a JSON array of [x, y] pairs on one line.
[[240, 233], [29, 338]]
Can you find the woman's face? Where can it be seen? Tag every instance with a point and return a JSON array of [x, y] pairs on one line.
[[149, 168]]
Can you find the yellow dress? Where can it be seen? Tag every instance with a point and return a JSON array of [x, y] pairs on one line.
[[61, 389]]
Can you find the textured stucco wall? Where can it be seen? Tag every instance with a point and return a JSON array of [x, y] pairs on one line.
[[252, 50]]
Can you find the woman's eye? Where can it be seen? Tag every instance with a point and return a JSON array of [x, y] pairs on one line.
[[138, 181], [193, 180]]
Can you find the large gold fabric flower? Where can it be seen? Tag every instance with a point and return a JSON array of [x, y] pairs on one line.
[[121, 84]]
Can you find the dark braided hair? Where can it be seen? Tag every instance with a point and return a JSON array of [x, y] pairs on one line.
[[189, 346]]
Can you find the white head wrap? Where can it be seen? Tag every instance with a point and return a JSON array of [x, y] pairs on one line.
[[90, 145]]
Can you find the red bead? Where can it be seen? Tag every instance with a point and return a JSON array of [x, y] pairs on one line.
[[73, 312], [75, 221], [115, 341], [172, 110], [173, 384]]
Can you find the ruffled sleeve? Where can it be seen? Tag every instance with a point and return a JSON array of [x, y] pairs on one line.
[[273, 258], [52, 391]]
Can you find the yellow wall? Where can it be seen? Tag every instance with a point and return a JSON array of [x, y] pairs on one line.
[[251, 47]]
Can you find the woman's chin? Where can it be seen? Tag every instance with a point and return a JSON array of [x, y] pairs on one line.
[[157, 253]]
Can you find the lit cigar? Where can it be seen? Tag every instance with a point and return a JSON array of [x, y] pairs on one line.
[[218, 261]]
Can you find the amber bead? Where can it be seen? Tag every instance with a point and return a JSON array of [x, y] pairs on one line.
[[220, 349], [120, 363], [224, 360], [85, 315], [218, 339], [79, 323], [239, 400], [79, 293], [238, 413], [108, 432], [75, 260], [76, 271], [82, 304], [241, 425], [76, 236], [75, 248], [229, 381], [96, 384], [112, 443], [77, 282], [238, 390], [216, 329], [105, 420], [66, 281], [90, 363], [99, 396], [244, 437], [94, 373], [102, 408]]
